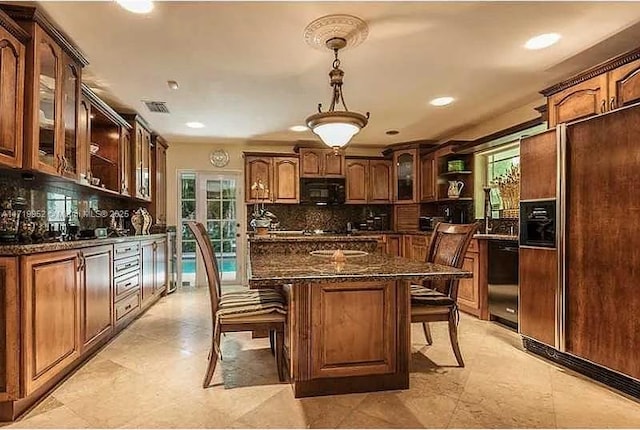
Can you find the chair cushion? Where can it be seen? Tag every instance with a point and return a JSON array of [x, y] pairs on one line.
[[421, 295], [251, 302]]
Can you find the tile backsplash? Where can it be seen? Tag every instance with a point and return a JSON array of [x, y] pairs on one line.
[[47, 201], [333, 218]]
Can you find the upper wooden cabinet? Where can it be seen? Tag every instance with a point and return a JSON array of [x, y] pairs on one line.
[[159, 169], [428, 178], [141, 184], [277, 174], [405, 176], [608, 86], [538, 166], [368, 181], [12, 60], [52, 95], [315, 163]]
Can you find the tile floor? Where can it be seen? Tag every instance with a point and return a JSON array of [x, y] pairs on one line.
[[150, 376]]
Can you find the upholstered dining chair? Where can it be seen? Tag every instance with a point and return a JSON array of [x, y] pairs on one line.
[[436, 300], [238, 311]]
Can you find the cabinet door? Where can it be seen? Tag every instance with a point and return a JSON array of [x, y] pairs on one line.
[[44, 138], [583, 100], [406, 217], [125, 161], [146, 165], [333, 163], [357, 181], [394, 247], [258, 170], [84, 138], [160, 266], [428, 178], [624, 85], [379, 181], [311, 162], [468, 289], [286, 180], [138, 140], [405, 176], [70, 150], [538, 166], [50, 304], [148, 271], [419, 248], [96, 298], [161, 185], [11, 99]]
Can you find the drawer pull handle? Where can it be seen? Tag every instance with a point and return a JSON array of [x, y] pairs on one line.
[[126, 308], [511, 311]]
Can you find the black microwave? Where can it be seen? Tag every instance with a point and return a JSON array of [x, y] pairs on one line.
[[322, 191]]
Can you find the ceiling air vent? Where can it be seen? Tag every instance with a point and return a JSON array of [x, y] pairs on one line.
[[156, 107]]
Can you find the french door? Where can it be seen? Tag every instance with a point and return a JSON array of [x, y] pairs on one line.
[[214, 200]]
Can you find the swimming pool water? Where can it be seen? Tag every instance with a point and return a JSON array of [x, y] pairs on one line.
[[189, 265]]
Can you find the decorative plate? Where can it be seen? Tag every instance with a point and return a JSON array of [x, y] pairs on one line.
[[219, 158]]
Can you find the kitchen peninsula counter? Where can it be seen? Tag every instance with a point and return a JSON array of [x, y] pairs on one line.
[[348, 324]]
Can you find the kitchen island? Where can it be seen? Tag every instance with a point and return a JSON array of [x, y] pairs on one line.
[[348, 323]]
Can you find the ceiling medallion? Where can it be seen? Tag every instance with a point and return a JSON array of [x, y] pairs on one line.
[[219, 158], [336, 127]]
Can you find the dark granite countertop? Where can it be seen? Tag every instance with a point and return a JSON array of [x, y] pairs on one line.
[[315, 237], [34, 248], [277, 269], [490, 236]]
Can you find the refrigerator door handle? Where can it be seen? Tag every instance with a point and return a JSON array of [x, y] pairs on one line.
[[561, 217]]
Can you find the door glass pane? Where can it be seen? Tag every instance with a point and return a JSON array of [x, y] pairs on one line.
[[70, 82], [47, 108], [405, 177], [188, 213], [221, 225]]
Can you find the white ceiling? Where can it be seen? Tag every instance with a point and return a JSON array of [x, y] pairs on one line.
[[245, 71]]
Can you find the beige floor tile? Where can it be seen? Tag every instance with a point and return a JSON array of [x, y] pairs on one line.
[[61, 417]]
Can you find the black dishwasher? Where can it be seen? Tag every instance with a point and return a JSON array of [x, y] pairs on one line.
[[503, 281]]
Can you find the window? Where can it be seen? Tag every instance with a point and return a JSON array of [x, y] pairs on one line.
[[498, 165]]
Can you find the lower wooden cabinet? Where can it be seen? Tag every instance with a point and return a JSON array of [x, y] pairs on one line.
[[96, 297], [394, 245], [154, 273], [473, 292], [50, 292]]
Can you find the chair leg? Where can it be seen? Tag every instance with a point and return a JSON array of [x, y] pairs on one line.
[[213, 357], [427, 333], [279, 335], [271, 341], [453, 336]]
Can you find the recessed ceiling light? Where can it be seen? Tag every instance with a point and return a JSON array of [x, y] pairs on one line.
[[391, 132], [195, 124], [136, 6], [442, 101], [542, 41], [173, 85], [299, 128]]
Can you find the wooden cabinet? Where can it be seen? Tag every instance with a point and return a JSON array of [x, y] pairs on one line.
[[394, 245], [277, 174], [160, 282], [159, 188], [286, 180], [405, 176], [9, 329], [368, 180], [583, 100], [316, 163], [419, 246], [428, 178], [153, 271], [12, 62], [50, 291], [624, 85], [125, 166], [141, 183], [52, 91], [469, 289], [96, 295], [603, 88], [538, 166], [357, 182], [406, 217]]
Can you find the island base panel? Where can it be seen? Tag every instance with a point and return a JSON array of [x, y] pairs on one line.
[[352, 384]]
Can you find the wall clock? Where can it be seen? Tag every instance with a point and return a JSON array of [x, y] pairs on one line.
[[219, 158]]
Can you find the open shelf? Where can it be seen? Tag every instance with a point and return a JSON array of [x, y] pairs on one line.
[[461, 172]]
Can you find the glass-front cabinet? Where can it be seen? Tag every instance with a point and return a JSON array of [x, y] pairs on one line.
[[70, 99], [48, 62], [405, 175]]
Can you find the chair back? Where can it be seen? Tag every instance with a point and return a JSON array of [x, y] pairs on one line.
[[210, 263], [448, 246]]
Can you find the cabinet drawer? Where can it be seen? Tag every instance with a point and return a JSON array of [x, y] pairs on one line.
[[127, 249], [127, 283], [127, 306], [126, 265], [473, 246]]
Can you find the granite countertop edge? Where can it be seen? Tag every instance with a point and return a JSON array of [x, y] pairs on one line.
[[16, 249], [489, 236]]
